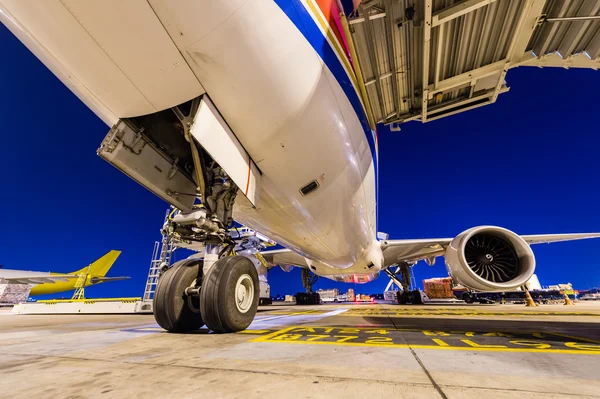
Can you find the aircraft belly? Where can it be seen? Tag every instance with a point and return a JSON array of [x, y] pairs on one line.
[[114, 55], [291, 115], [280, 98]]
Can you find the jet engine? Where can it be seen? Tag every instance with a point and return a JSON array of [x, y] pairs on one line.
[[489, 258]]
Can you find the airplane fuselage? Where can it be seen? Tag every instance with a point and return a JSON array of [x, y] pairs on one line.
[[279, 74], [65, 284]]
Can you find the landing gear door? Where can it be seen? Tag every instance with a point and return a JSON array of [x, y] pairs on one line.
[[212, 132], [133, 154]]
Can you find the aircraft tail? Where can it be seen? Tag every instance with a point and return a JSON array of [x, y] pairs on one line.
[[101, 266]]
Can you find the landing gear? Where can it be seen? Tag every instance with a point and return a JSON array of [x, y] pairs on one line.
[[467, 297], [415, 297], [229, 295], [308, 298], [402, 278], [402, 297], [308, 280], [226, 301], [409, 297], [222, 290], [173, 309]]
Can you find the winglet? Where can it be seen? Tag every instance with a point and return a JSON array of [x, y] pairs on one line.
[[102, 265]]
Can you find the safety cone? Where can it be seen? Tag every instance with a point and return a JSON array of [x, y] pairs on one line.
[[568, 300], [529, 299]]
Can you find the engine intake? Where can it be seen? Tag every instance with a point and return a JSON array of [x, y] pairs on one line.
[[489, 258]]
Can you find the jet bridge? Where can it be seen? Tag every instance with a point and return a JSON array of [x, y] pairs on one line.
[[428, 59]]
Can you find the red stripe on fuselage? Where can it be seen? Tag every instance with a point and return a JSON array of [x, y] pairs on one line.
[[331, 11]]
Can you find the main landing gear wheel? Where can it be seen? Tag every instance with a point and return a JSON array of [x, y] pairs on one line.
[[415, 297], [412, 297], [402, 297], [173, 309], [229, 295]]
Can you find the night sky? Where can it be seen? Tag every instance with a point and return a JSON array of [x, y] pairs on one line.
[[529, 163]]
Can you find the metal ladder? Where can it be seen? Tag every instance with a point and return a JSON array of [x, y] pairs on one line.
[[79, 293], [413, 281], [161, 255]]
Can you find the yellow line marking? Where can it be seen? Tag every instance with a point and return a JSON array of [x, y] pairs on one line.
[[576, 338], [439, 342], [264, 338], [478, 349], [480, 346], [253, 331], [441, 345]]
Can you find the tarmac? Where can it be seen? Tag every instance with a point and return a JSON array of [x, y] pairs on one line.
[[339, 350]]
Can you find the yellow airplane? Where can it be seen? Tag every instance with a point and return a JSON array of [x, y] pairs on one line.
[[51, 283]]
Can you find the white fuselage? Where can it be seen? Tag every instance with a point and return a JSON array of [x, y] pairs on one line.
[[278, 75]]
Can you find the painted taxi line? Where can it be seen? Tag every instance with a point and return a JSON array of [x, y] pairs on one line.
[[362, 312], [429, 339]]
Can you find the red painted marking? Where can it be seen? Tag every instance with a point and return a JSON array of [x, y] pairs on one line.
[[248, 181], [331, 11]]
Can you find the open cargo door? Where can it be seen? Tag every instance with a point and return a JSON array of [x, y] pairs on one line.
[[153, 151]]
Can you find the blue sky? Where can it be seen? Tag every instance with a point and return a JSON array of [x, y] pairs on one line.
[[529, 163]]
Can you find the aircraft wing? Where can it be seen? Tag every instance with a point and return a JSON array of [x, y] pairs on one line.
[[395, 251], [36, 279], [412, 250], [284, 257]]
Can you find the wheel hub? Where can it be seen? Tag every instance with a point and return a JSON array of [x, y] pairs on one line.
[[244, 293]]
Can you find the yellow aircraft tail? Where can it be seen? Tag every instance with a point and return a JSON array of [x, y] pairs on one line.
[[101, 266]]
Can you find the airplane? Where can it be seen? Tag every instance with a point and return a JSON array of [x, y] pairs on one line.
[[51, 283], [251, 111]]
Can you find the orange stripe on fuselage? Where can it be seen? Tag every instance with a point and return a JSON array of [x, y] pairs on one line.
[[338, 48], [331, 11]]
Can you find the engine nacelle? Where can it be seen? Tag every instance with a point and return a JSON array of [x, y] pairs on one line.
[[490, 258]]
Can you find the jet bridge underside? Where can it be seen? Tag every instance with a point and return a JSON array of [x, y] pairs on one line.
[[427, 59]]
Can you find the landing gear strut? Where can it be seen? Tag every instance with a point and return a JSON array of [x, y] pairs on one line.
[[402, 277], [308, 298]]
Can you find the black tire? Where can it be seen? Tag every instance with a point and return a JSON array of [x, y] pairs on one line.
[[170, 304], [314, 299], [218, 296], [467, 297], [301, 298], [415, 297], [402, 297], [265, 301]]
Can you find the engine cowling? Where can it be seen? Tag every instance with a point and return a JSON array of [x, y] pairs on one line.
[[490, 258]]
